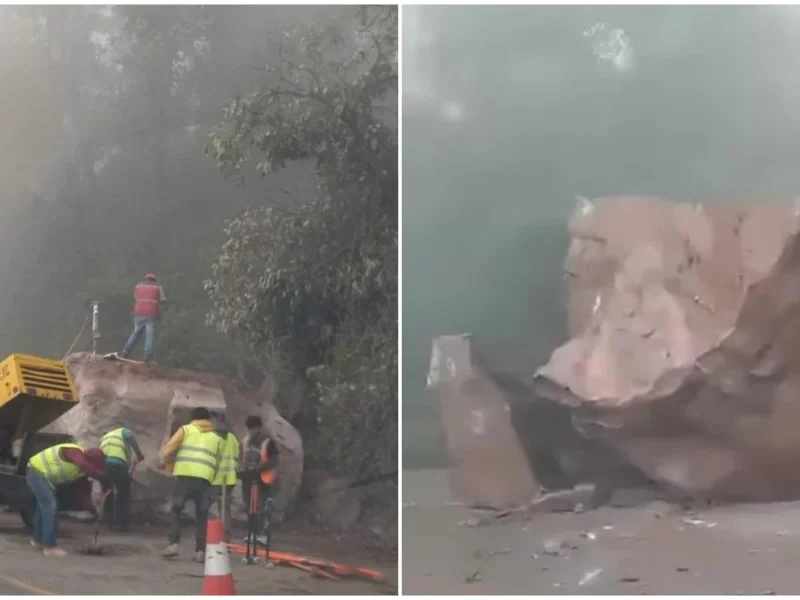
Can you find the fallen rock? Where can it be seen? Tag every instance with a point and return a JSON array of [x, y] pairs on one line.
[[488, 465], [505, 443], [552, 547], [153, 401], [682, 369], [683, 356]]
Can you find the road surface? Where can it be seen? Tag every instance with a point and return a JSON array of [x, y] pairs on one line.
[[651, 549], [11, 586], [133, 565]]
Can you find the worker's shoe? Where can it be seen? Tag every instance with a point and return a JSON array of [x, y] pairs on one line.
[[200, 556], [170, 551], [54, 551], [37, 545]]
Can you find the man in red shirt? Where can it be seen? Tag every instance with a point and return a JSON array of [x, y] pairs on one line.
[[63, 464], [148, 297]]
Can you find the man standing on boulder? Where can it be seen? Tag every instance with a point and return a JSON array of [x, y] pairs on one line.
[[119, 446], [148, 297], [259, 462], [54, 467], [196, 451]]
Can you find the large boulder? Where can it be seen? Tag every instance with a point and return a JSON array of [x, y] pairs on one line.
[[685, 338], [682, 369], [153, 401]]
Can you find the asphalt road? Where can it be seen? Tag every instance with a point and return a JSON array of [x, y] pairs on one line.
[[11, 586], [138, 568], [654, 548]]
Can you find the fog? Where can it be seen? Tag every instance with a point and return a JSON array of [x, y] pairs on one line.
[[103, 177], [512, 113]]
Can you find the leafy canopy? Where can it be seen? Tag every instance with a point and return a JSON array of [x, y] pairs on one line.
[[317, 281]]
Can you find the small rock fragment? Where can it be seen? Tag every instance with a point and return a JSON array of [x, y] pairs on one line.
[[629, 579], [589, 576], [476, 576], [552, 547], [682, 569]]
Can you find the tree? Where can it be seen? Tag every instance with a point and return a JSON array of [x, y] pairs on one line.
[[316, 283]]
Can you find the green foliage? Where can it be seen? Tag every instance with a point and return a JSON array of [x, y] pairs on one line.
[[357, 399], [317, 283]]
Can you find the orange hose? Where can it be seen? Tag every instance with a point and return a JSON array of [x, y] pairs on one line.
[[337, 568], [313, 571]]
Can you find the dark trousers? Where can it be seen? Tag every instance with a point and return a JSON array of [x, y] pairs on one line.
[[199, 492], [118, 503], [264, 494]]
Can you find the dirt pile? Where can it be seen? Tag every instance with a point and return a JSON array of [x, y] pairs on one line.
[[683, 361], [153, 401]]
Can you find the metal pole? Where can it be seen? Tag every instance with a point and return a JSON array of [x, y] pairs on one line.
[[95, 325], [223, 510]]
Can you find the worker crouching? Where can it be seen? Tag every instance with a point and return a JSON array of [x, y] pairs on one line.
[[122, 454], [56, 466], [196, 451]]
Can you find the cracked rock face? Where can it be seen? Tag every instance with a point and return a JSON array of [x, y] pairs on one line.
[[153, 401], [685, 332]]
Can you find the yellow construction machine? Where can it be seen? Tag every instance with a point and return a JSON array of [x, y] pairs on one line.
[[34, 392]]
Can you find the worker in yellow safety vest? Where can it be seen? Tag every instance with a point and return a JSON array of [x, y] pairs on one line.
[[57, 466], [122, 454], [195, 451], [226, 479]]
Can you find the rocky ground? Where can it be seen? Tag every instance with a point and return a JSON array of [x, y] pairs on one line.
[[132, 565], [654, 548]]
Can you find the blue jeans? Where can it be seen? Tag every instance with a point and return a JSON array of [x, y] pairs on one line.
[[148, 325], [44, 518]]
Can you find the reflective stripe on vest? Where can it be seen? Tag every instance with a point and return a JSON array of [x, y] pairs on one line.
[[55, 470], [147, 296], [114, 446], [199, 454], [226, 474]]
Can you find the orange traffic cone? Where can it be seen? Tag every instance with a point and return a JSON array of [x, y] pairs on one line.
[[218, 579]]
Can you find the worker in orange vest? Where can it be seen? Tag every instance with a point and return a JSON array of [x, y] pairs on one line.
[[258, 464], [148, 297]]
